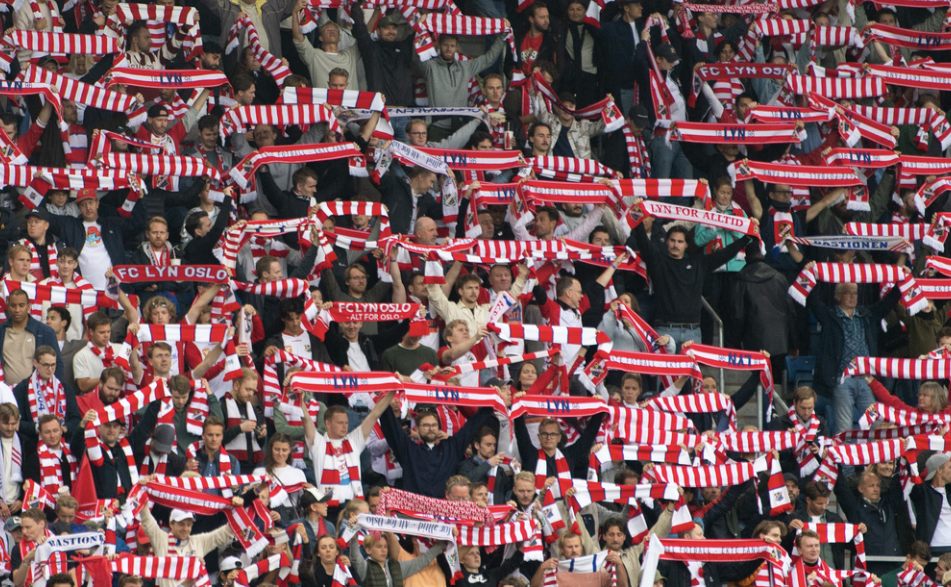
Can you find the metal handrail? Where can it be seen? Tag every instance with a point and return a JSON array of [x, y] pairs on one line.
[[719, 323]]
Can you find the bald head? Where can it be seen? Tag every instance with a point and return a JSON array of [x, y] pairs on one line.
[[425, 231]]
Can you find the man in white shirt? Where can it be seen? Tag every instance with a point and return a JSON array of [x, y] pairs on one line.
[[98, 354], [336, 455]]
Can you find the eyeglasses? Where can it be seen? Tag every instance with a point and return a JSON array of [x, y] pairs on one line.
[[548, 434]]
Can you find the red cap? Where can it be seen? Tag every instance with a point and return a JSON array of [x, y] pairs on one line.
[[85, 194], [141, 536]]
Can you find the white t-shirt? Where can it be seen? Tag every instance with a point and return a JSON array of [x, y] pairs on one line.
[[942, 531], [298, 345], [94, 258], [358, 362]]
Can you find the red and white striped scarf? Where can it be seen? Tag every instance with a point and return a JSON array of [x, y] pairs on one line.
[[584, 336], [782, 114], [58, 295], [696, 552], [357, 312], [654, 189], [46, 397], [38, 571], [588, 492], [838, 88], [224, 461], [737, 360], [51, 254], [800, 175], [181, 79], [806, 435], [346, 383], [96, 449], [643, 363], [60, 43], [756, 442], [177, 568], [910, 232], [866, 453], [569, 169], [457, 24], [905, 77], [560, 407], [858, 125], [911, 298], [637, 154], [557, 192], [181, 166], [562, 472], [243, 172], [272, 64], [701, 403], [77, 91], [443, 394], [729, 134], [922, 369], [900, 417], [630, 423], [926, 119], [51, 470], [913, 578], [708, 475], [241, 118]]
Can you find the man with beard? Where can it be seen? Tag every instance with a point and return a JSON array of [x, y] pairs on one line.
[[778, 222]]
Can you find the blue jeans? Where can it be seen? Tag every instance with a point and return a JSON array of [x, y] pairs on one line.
[[489, 8], [679, 334], [669, 162], [627, 101], [853, 393]]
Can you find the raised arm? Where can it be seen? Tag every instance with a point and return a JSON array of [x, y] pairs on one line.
[[381, 406]]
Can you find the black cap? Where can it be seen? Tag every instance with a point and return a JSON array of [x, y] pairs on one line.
[[156, 110], [667, 51], [39, 212], [567, 97], [639, 116], [496, 382]]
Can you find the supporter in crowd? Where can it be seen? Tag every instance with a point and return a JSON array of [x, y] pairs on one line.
[[349, 154]]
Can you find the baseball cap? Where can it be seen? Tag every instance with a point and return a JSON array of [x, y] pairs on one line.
[[567, 97], [667, 51], [934, 462], [231, 563], [787, 477], [178, 515], [496, 382], [322, 495], [12, 524], [387, 21], [162, 438], [39, 212], [85, 194], [639, 116], [157, 110]]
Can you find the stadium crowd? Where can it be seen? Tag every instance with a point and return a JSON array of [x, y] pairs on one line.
[[411, 293]]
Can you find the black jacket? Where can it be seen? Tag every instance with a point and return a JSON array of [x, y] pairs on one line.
[[576, 454], [478, 472], [113, 468], [425, 469], [881, 538], [198, 251], [678, 282], [832, 339], [388, 64], [288, 204], [927, 503], [765, 310], [397, 196], [73, 233], [372, 345], [268, 307], [28, 426]]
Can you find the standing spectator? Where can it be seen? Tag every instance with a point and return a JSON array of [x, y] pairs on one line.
[[20, 337], [848, 331]]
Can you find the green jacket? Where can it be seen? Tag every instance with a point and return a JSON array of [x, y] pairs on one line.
[[707, 234]]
